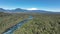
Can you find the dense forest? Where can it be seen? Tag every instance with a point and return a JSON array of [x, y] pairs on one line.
[[8, 20], [40, 24]]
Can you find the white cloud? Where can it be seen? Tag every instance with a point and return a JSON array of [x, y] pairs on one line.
[[32, 9]]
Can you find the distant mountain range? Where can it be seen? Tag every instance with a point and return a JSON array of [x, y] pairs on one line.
[[13, 10], [18, 10]]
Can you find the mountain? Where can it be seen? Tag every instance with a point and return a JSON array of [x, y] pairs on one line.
[[2, 10], [12, 11], [19, 10], [39, 11]]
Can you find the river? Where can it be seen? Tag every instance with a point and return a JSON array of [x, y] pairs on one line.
[[13, 28]]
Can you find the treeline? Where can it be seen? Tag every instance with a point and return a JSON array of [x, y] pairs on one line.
[[2, 14]]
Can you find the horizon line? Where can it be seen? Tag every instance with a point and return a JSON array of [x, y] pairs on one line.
[[27, 9]]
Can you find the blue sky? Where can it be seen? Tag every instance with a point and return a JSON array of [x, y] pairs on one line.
[[49, 5]]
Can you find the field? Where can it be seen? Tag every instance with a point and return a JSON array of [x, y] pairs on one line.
[[40, 24]]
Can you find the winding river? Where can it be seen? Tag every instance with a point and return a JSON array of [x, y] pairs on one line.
[[13, 28]]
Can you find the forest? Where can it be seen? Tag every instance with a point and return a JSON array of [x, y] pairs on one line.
[[40, 24]]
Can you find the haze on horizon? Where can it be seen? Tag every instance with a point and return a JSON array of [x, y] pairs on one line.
[[48, 5]]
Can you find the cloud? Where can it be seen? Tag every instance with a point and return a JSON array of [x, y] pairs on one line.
[[32, 9]]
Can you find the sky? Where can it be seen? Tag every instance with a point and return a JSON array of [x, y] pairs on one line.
[[48, 5]]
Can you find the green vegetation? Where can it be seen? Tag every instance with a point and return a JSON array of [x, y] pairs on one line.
[[9, 20], [40, 24]]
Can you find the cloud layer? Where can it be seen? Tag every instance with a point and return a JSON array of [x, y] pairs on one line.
[[32, 9]]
